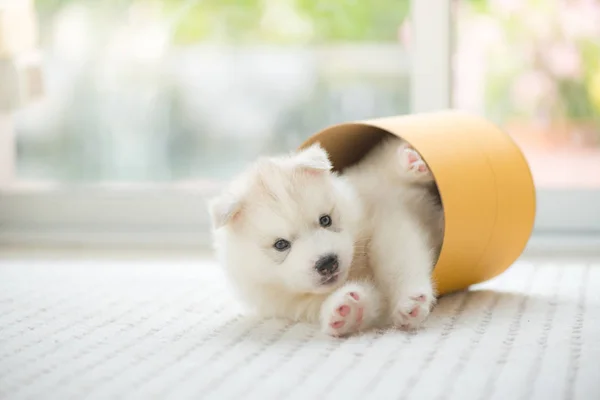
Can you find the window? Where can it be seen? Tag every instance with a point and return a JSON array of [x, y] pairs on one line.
[[122, 117], [533, 67]]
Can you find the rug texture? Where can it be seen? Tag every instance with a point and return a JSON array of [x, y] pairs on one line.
[[171, 329]]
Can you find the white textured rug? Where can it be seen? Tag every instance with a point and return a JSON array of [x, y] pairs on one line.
[[109, 329]]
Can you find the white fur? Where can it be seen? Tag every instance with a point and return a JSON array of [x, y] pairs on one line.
[[385, 232]]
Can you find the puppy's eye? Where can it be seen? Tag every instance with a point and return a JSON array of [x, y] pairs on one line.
[[281, 245], [325, 221]]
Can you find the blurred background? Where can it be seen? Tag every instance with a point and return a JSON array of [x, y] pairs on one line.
[[166, 90], [533, 66], [170, 90]]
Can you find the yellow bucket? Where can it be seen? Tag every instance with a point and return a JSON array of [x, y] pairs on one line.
[[484, 182]]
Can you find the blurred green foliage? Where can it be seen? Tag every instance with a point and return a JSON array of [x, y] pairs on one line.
[[242, 20], [559, 94]]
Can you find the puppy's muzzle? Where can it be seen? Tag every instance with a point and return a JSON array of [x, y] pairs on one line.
[[327, 265]]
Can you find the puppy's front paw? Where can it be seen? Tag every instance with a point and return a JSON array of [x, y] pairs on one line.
[[412, 310], [345, 311]]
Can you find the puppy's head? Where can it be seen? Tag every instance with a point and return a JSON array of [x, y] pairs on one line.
[[287, 222]]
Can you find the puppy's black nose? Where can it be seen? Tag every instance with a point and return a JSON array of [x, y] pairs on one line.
[[327, 264]]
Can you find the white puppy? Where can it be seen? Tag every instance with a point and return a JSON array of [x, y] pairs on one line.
[[350, 252]]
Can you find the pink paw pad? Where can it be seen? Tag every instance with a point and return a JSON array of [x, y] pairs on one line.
[[420, 298], [337, 324], [414, 160], [343, 310], [354, 295], [414, 312], [411, 156]]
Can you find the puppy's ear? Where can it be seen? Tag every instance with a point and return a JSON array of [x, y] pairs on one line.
[[313, 159], [224, 209]]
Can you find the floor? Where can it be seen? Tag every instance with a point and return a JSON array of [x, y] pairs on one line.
[[127, 328]]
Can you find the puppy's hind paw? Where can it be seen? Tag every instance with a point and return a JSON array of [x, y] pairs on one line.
[[412, 310], [412, 164]]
